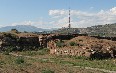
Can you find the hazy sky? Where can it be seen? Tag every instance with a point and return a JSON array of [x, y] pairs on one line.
[[54, 13]]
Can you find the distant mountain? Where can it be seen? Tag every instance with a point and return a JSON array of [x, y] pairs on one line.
[[101, 30], [22, 28]]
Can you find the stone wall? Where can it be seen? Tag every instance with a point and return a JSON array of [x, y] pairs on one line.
[[19, 43], [90, 47], [52, 46], [73, 51]]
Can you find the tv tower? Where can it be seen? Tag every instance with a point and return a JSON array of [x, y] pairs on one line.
[[69, 26]]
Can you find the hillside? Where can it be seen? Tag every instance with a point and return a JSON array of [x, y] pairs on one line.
[[67, 31], [98, 30], [102, 30]]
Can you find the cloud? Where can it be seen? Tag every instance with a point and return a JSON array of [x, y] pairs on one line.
[[39, 24], [23, 23], [79, 19], [1, 25], [82, 18], [58, 12], [113, 10]]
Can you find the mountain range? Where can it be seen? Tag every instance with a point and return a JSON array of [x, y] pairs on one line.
[[101, 30], [22, 28]]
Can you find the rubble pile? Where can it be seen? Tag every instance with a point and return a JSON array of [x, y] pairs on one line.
[[100, 48]]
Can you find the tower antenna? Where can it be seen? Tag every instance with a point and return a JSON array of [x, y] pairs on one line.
[[69, 26]]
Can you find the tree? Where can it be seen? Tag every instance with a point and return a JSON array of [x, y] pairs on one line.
[[14, 30]]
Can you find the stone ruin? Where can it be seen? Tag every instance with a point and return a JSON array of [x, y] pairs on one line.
[[22, 41], [87, 46]]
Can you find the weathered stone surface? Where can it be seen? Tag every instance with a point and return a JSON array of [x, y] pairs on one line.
[[83, 45], [23, 41], [86, 46]]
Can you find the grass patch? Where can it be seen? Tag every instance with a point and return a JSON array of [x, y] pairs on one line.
[[2, 62], [44, 60], [34, 53], [6, 52], [60, 44], [19, 60], [73, 44], [108, 64], [80, 57], [43, 51], [47, 71], [31, 53], [53, 64]]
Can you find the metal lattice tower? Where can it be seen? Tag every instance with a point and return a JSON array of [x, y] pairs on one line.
[[69, 26]]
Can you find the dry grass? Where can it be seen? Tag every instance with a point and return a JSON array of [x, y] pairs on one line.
[[42, 64]]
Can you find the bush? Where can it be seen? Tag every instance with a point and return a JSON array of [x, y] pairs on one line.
[[47, 71], [2, 62], [73, 44], [10, 49], [6, 53], [60, 44], [19, 60]]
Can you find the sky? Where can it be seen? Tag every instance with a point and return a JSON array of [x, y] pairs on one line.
[[54, 13]]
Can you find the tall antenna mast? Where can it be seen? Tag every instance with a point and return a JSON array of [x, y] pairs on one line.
[[69, 26]]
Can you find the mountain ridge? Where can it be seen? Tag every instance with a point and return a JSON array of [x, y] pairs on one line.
[[22, 28], [102, 30]]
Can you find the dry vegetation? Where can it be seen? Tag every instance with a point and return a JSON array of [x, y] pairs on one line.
[[88, 41], [42, 62]]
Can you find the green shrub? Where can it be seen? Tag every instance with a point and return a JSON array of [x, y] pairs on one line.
[[73, 44], [80, 40], [31, 53], [2, 62], [47, 71], [41, 53], [10, 49], [45, 50], [19, 60], [60, 44], [6, 53]]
